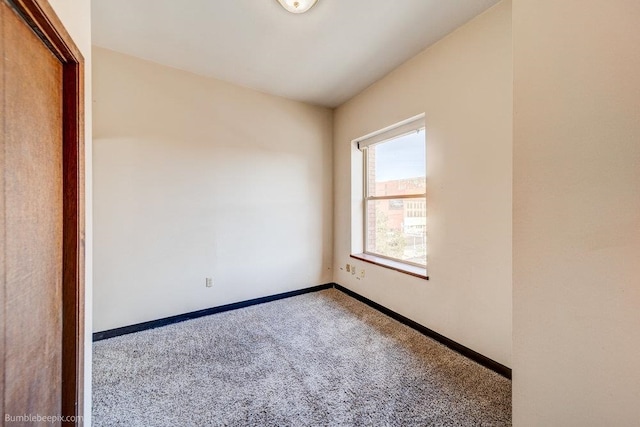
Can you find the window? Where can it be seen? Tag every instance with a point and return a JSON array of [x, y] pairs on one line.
[[395, 203]]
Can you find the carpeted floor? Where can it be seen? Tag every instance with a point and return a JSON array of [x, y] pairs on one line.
[[319, 359]]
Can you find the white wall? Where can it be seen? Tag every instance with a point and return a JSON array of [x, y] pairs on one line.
[[76, 18], [576, 236], [195, 178], [464, 85]]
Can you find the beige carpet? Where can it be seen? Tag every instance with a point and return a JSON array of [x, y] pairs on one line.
[[319, 359]]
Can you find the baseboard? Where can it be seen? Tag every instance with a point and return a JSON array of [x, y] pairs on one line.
[[465, 351], [97, 336]]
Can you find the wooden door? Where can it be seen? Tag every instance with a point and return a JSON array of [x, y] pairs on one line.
[[33, 221], [40, 210]]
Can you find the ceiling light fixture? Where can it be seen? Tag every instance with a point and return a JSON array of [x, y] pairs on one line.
[[297, 6]]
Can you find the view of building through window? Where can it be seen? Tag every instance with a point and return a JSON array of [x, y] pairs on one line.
[[395, 201]]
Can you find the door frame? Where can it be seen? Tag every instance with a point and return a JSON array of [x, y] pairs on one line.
[[45, 23]]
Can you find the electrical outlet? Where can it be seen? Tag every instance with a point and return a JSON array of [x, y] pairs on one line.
[[353, 270], [348, 268], [362, 273], [208, 282]]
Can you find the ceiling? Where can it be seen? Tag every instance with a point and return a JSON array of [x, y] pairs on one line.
[[323, 57]]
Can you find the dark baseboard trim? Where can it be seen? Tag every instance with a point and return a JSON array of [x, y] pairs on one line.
[[465, 351], [97, 336]]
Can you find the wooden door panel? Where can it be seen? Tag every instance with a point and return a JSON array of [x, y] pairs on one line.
[[41, 214], [33, 218], [2, 211]]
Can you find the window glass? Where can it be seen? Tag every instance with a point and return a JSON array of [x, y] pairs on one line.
[[395, 198], [397, 233], [397, 166]]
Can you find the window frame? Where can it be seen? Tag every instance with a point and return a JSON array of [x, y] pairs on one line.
[[407, 127]]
